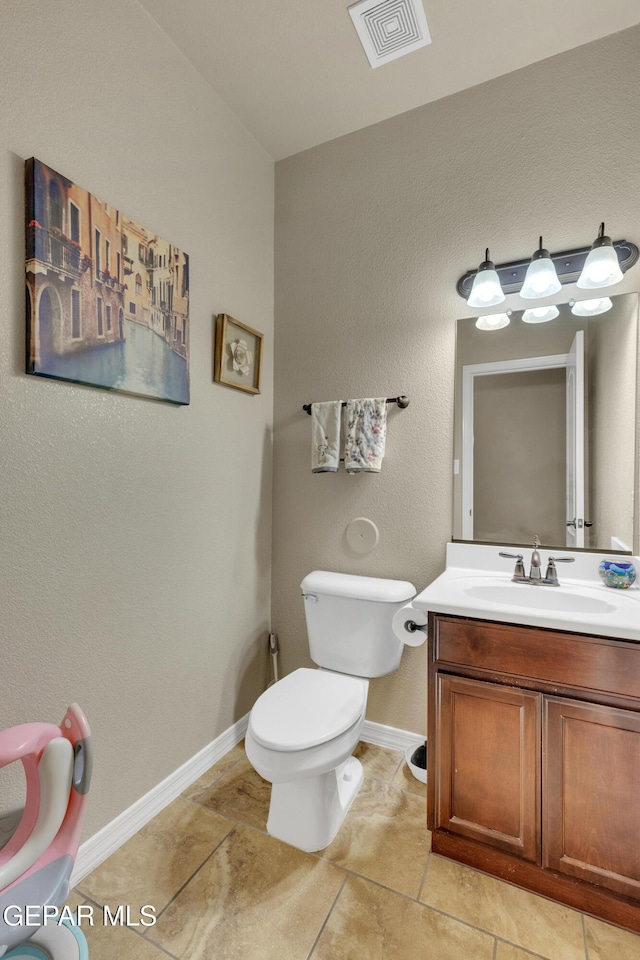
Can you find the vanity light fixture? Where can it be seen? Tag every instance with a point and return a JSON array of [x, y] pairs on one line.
[[540, 314], [590, 308], [486, 290], [494, 321], [541, 279], [601, 268], [591, 267]]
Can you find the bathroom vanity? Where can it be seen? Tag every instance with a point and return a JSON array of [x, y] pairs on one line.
[[534, 734], [534, 689]]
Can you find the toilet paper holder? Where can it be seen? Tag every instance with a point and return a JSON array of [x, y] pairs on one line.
[[411, 626]]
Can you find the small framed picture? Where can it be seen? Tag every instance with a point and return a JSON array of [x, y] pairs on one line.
[[238, 355]]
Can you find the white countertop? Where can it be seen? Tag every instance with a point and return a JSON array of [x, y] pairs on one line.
[[477, 583]]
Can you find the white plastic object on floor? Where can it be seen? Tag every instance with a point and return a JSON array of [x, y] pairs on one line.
[[63, 941], [419, 772]]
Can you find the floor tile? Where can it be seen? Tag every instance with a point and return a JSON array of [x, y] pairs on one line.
[[119, 943], [607, 942], [240, 794], [230, 891], [384, 838], [215, 772], [506, 951], [380, 763], [406, 781], [523, 918], [254, 899], [152, 866], [373, 923]]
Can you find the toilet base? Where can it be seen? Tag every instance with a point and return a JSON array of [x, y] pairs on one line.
[[308, 813]]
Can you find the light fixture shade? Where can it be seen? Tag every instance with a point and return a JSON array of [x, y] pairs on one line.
[[540, 314], [486, 290], [601, 268], [591, 308], [541, 279], [493, 321]]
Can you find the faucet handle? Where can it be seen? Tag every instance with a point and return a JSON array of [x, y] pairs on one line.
[[518, 573], [552, 574]]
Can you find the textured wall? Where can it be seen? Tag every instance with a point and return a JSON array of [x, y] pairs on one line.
[[135, 536], [372, 232], [612, 379]]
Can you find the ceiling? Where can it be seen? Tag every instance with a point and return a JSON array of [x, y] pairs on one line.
[[294, 73]]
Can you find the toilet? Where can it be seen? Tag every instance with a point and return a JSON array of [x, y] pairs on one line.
[[303, 730]]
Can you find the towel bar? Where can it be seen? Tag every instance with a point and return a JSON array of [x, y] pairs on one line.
[[403, 403]]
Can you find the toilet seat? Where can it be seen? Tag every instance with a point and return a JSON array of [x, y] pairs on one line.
[[307, 708]]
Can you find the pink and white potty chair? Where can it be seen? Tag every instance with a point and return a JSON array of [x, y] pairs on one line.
[[39, 843]]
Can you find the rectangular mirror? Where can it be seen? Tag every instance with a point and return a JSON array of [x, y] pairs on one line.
[[545, 430]]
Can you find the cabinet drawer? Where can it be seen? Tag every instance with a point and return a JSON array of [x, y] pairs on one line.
[[570, 660]]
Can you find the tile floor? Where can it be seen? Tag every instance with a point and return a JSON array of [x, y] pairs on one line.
[[224, 890]]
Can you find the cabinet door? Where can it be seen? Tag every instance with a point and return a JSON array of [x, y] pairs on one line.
[[591, 800], [488, 766]]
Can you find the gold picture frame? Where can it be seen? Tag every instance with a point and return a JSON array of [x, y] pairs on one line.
[[238, 355]]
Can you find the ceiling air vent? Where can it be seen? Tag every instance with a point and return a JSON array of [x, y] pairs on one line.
[[390, 28]]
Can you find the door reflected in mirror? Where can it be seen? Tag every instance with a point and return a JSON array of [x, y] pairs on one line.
[[545, 429]]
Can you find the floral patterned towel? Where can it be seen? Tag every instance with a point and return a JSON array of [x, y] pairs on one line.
[[365, 434], [325, 436]]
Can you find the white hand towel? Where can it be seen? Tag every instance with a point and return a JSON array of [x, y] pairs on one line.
[[365, 434], [325, 436]]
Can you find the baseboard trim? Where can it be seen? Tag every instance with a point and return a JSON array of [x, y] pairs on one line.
[[102, 844], [391, 737]]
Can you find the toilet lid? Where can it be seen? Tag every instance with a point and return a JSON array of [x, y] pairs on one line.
[[307, 708]]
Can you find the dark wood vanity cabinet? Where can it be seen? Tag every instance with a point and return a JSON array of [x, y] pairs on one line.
[[534, 760], [591, 798], [489, 764]]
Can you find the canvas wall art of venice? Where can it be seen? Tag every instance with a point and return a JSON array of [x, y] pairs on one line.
[[107, 300]]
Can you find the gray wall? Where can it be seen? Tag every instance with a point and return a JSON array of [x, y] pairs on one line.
[[612, 375], [519, 454], [135, 548], [372, 232]]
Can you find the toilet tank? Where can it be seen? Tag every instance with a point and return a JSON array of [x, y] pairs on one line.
[[349, 622]]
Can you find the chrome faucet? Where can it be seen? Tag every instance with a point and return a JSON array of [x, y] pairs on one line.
[[550, 578], [534, 569]]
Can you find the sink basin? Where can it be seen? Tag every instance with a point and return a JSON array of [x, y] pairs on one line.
[[476, 585], [529, 597]]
